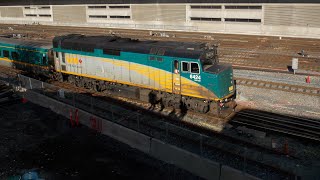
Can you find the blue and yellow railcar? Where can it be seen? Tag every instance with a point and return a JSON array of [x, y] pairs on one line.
[[172, 73], [30, 56]]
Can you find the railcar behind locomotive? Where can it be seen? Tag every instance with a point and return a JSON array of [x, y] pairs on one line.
[[178, 74], [30, 56]]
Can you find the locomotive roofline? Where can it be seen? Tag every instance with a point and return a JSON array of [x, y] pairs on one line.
[[89, 43]]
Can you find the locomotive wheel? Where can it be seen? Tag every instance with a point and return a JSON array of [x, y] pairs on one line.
[[78, 82], [58, 77], [71, 79]]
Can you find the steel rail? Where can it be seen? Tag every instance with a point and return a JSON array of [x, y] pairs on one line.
[[285, 118], [278, 86], [279, 122], [262, 126]]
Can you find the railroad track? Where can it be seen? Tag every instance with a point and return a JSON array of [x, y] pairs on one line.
[[239, 50], [278, 86], [289, 125]]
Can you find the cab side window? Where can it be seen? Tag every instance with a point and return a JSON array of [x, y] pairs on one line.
[[5, 53], [44, 60], [176, 67], [195, 68], [63, 58], [185, 67]]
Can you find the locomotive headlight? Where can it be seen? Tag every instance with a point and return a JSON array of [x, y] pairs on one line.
[[230, 88]]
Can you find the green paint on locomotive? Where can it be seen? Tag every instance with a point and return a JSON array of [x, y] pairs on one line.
[[221, 83]]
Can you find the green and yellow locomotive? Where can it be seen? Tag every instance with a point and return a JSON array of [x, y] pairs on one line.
[[178, 74]]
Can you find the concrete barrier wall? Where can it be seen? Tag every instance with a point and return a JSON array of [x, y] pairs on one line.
[[228, 173], [186, 160], [118, 132], [191, 162]]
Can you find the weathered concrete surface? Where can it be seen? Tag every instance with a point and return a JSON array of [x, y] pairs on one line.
[[202, 167], [228, 173], [120, 133]]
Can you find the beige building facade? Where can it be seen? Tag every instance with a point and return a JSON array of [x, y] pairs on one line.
[[272, 19]]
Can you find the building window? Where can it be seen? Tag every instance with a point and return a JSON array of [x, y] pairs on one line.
[[111, 52], [243, 7], [120, 17], [31, 15], [241, 20], [204, 19], [95, 16], [5, 53], [97, 7], [119, 7], [44, 7], [205, 7], [195, 68], [44, 15], [185, 66]]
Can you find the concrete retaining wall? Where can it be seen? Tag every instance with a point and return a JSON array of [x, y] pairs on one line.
[[191, 162], [179, 157], [228, 173]]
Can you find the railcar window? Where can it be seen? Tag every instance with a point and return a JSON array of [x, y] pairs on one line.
[[194, 68], [111, 52], [5, 53], [15, 56], [44, 60], [57, 55], [0, 53], [185, 66], [159, 59], [152, 58], [63, 58]]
